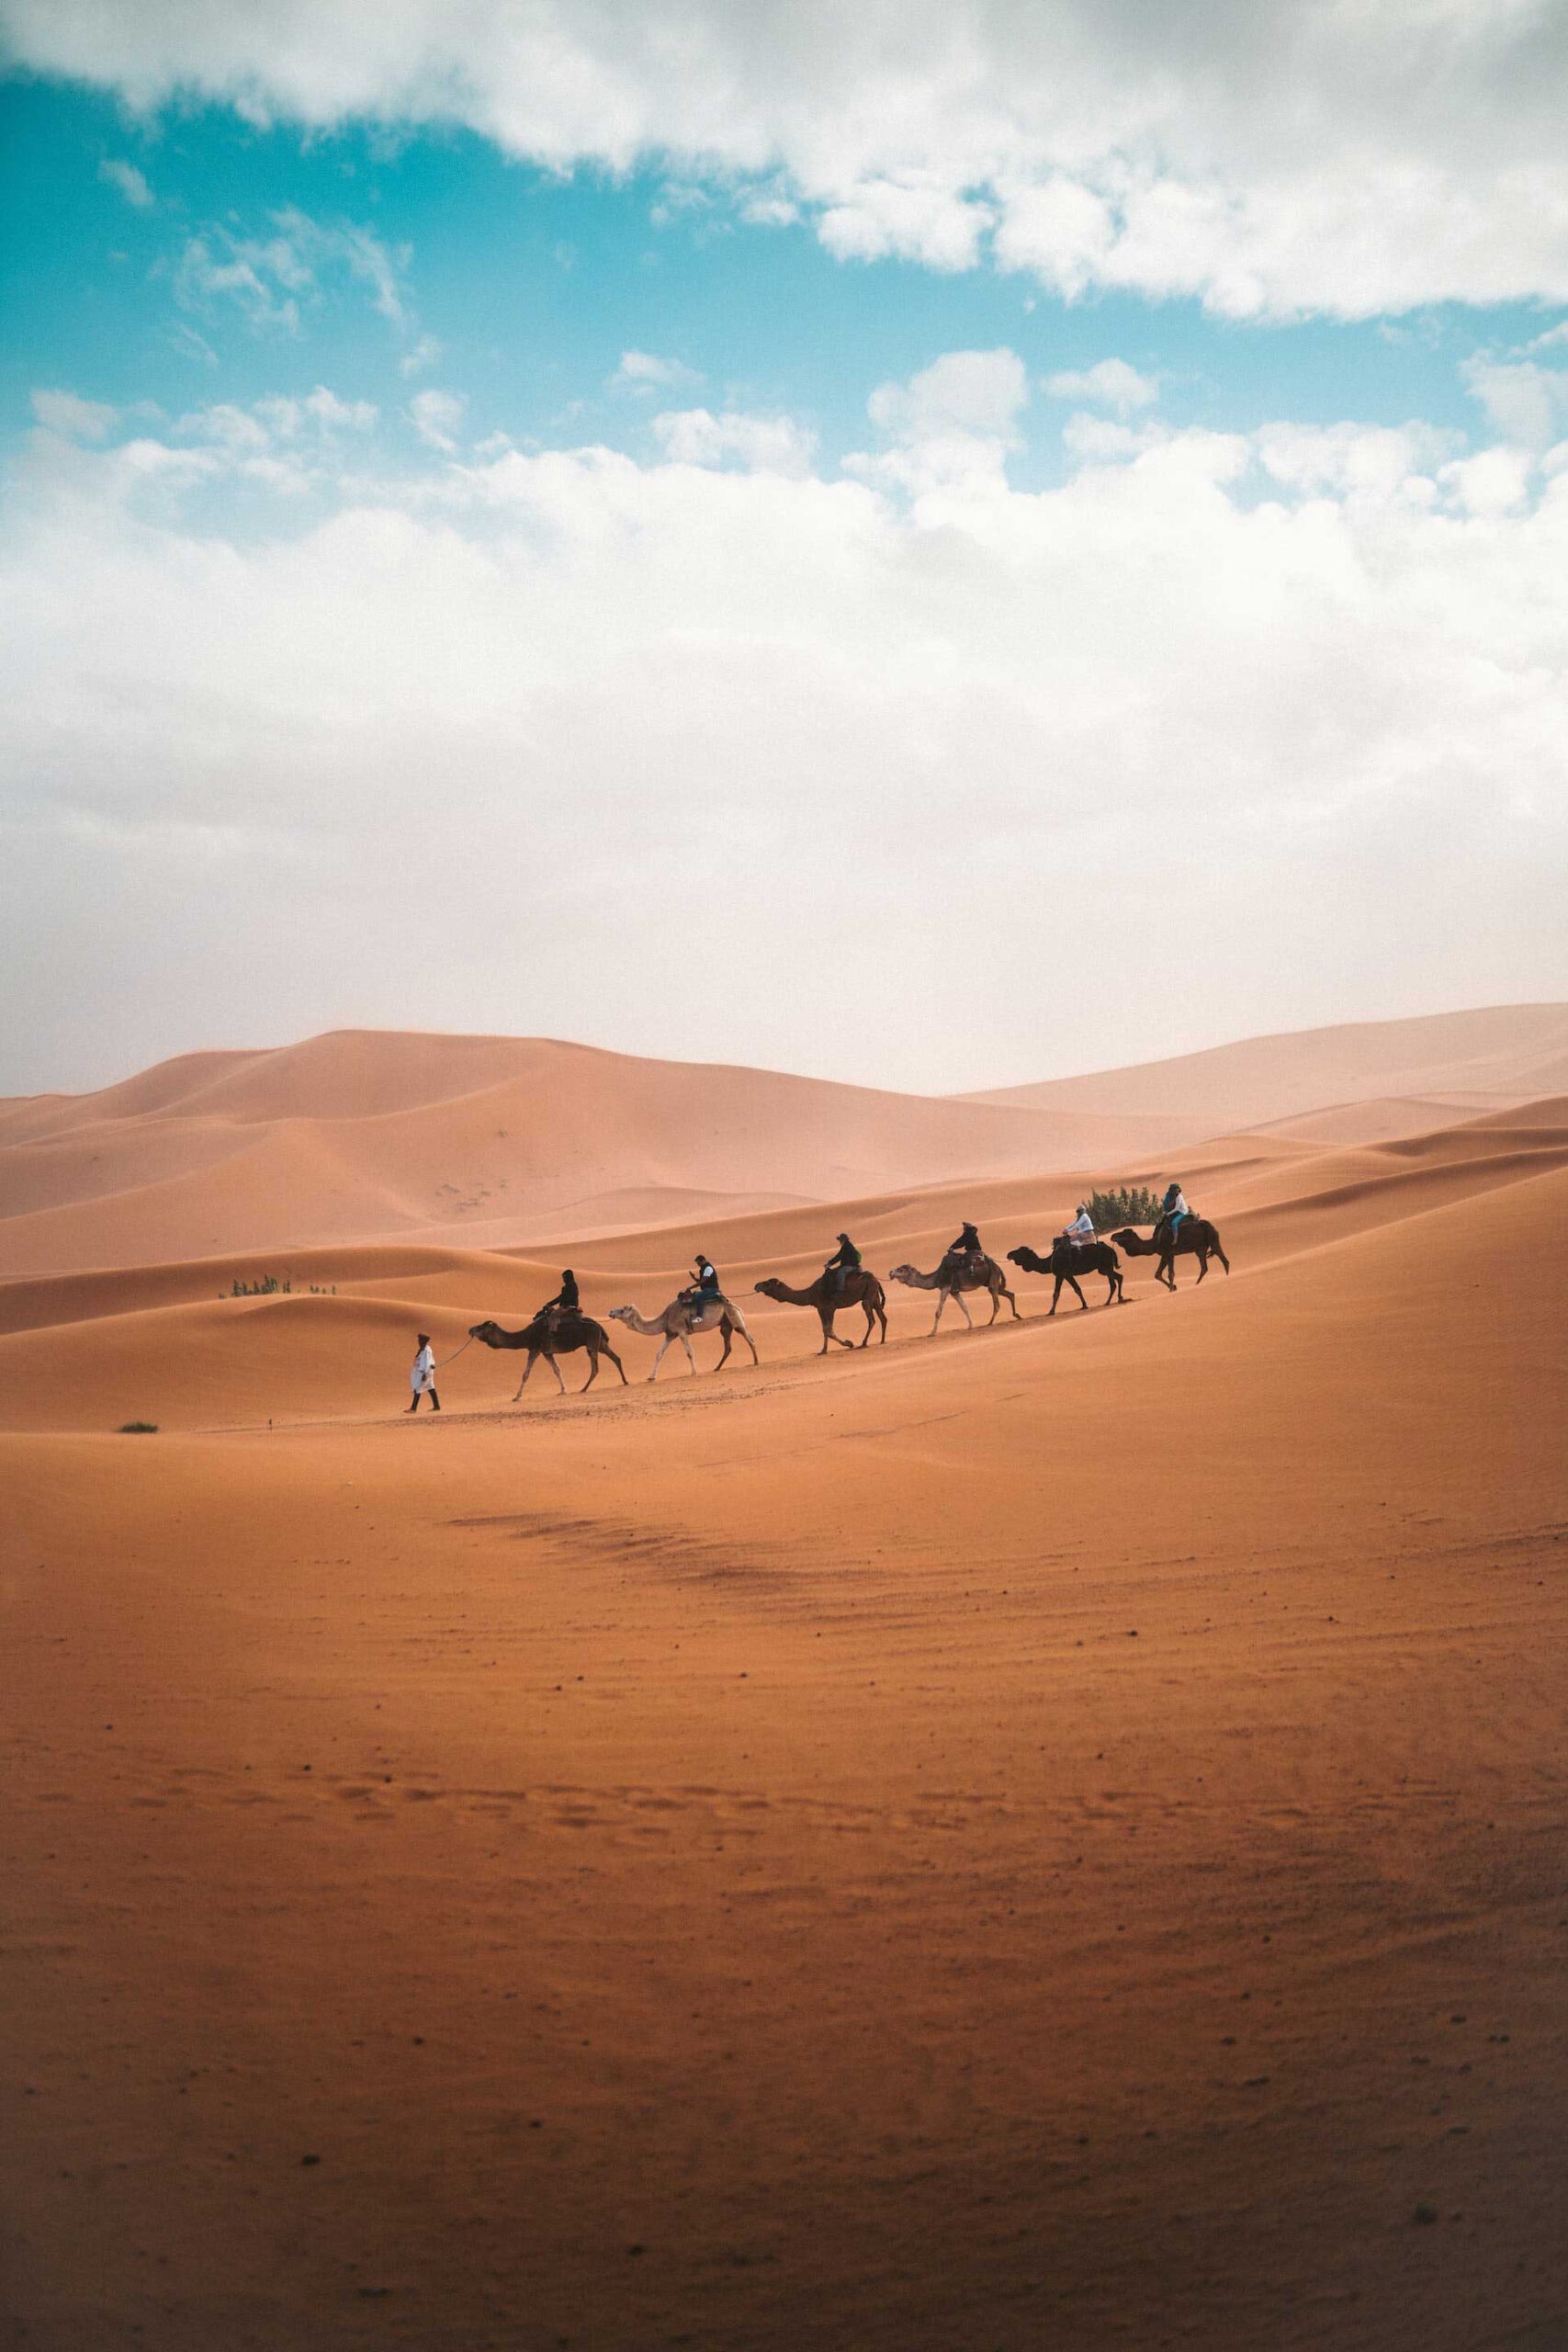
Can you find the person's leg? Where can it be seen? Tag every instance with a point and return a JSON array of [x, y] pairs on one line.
[[413, 1407], [435, 1402]]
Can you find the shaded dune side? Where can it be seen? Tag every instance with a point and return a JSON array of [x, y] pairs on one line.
[[196, 1360], [576, 1136]]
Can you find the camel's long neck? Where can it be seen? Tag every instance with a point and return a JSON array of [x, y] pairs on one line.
[[641, 1323]]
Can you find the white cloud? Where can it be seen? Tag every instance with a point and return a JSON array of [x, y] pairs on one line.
[[1525, 403], [1096, 440], [784, 700], [1358, 462], [132, 183], [1353, 159], [72, 417], [919, 219], [773, 445], [1109, 384], [438, 417], [270, 279], [644, 371], [421, 355], [1494, 482], [950, 425]]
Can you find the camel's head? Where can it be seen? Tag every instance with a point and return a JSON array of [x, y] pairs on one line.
[[621, 1314], [901, 1273], [770, 1287], [1024, 1258], [1126, 1237], [487, 1331]]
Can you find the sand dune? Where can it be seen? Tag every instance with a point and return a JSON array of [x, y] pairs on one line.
[[1040, 1837], [1047, 1835], [162, 1343], [365, 1135], [1461, 1061]]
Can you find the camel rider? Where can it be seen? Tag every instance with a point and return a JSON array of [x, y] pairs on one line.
[[1080, 1232], [566, 1300], [705, 1286], [1173, 1209], [844, 1262], [966, 1246]]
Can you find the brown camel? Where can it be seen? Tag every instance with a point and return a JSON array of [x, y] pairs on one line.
[[953, 1277], [861, 1288], [681, 1319], [550, 1336], [1195, 1238], [1066, 1263]]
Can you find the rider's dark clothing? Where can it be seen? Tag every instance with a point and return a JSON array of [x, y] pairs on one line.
[[566, 1298], [707, 1279], [967, 1244], [845, 1259]]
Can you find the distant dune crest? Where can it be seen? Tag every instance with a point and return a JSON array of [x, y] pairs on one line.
[[368, 1136]]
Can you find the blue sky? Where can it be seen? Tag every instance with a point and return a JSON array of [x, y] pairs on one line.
[[941, 544], [532, 284]]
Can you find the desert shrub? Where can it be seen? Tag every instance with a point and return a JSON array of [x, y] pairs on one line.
[[139, 1429], [1123, 1204]]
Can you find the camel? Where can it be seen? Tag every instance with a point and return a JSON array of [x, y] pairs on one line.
[[1066, 1262], [681, 1319], [860, 1288], [550, 1336], [1195, 1237], [955, 1275]]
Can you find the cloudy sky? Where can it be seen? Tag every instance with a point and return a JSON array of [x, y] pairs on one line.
[[929, 542]]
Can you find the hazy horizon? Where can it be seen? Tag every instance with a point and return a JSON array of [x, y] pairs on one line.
[[979, 1086]]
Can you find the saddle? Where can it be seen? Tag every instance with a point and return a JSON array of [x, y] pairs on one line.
[[964, 1261]]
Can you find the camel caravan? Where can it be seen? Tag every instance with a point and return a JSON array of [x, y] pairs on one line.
[[966, 1269]]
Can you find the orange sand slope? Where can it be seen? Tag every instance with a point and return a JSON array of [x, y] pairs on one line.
[[1456, 1062], [504, 1142], [166, 1343], [1049, 1837], [366, 1136]]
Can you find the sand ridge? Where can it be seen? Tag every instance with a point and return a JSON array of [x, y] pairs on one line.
[[1048, 1836]]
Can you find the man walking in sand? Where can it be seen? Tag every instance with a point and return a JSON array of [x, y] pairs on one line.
[[422, 1379]]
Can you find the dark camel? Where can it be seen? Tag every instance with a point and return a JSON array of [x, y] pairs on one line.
[[1066, 1262], [861, 1288], [550, 1336], [1195, 1238], [953, 1277]]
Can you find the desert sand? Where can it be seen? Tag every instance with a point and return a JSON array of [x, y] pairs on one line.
[[1044, 1837]]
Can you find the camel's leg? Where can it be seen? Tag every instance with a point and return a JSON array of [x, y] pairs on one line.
[[1055, 1295], [1202, 1263], [1077, 1293], [746, 1335], [691, 1359], [556, 1369], [620, 1367], [882, 1318], [658, 1359], [533, 1360], [724, 1330], [870, 1323], [592, 1372], [1013, 1302]]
